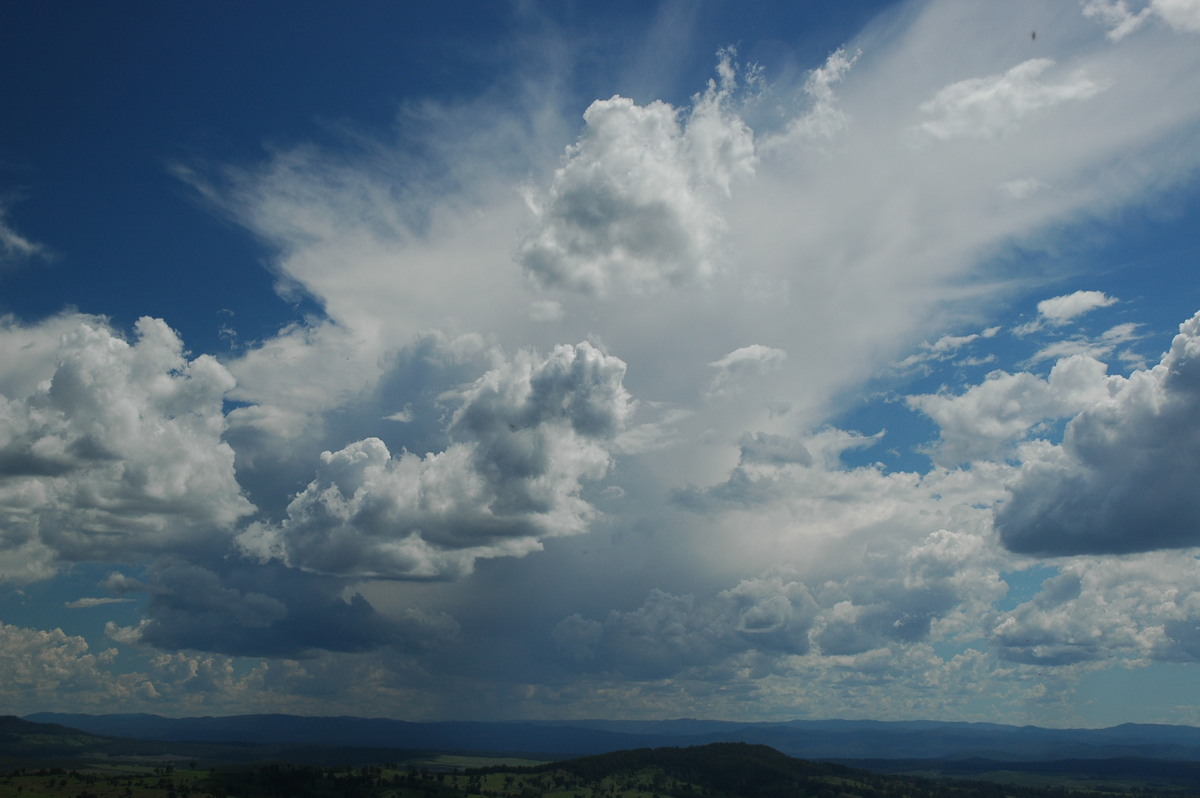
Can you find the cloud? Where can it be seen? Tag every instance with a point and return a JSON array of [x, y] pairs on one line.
[[825, 119], [40, 669], [1061, 309], [671, 633], [266, 611], [1181, 15], [743, 364], [111, 449], [1120, 481], [14, 247], [945, 348], [87, 603], [636, 204], [1098, 347], [943, 586], [526, 436], [993, 106], [988, 419], [1137, 608]]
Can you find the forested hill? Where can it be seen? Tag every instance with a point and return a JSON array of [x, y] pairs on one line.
[[830, 739], [742, 769]]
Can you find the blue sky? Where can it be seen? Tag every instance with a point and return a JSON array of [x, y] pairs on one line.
[[545, 360]]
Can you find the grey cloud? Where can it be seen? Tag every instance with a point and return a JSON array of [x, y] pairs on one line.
[[946, 575], [744, 363], [528, 433], [266, 610], [762, 447], [670, 633], [1123, 478], [944, 583]]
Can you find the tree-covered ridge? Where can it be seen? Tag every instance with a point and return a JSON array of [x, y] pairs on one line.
[[70, 764]]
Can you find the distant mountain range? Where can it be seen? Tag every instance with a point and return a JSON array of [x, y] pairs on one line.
[[826, 740]]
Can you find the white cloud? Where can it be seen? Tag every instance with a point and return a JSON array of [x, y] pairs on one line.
[[115, 450], [1121, 479], [1181, 15], [636, 203], [525, 438], [1061, 309], [43, 669], [986, 420], [1134, 608], [1023, 187], [825, 119], [14, 247], [990, 107], [87, 603], [945, 348], [1098, 347]]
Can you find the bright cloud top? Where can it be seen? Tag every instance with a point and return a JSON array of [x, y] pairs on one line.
[[636, 204]]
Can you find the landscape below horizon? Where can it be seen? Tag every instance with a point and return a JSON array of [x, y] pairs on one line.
[[825, 740], [300, 757], [529, 360]]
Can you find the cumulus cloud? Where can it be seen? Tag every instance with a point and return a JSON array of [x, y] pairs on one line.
[[636, 204], [1121, 479], [40, 669], [988, 419], [111, 449], [525, 438], [1137, 608], [1061, 309]]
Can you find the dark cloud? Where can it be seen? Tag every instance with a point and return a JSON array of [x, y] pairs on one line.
[[267, 611], [672, 633], [1123, 479], [750, 484]]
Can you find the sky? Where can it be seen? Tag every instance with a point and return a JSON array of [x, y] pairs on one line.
[[550, 360]]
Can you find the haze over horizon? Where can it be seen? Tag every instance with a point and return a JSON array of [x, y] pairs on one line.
[[567, 360]]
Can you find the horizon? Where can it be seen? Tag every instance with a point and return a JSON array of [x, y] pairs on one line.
[[541, 360], [603, 720]]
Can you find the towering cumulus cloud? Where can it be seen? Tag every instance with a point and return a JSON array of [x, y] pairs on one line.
[[524, 439], [1123, 478], [635, 206]]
